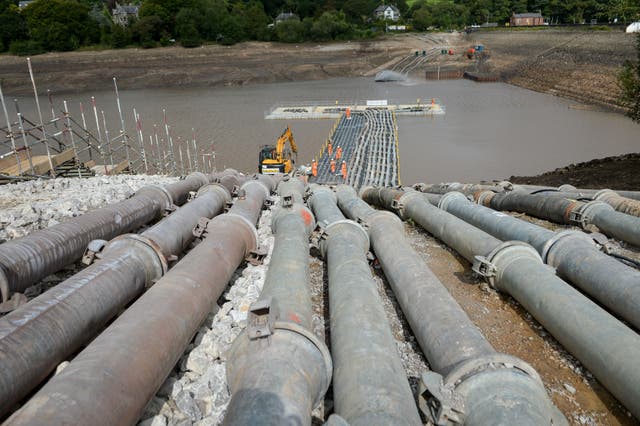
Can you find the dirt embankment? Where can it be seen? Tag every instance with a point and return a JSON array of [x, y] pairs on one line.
[[622, 172], [581, 65], [206, 66]]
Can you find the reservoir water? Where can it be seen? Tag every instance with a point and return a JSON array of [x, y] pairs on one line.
[[489, 131]]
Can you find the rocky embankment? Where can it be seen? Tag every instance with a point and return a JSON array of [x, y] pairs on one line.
[[621, 172]]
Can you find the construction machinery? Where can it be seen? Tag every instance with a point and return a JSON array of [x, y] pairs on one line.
[[277, 158]]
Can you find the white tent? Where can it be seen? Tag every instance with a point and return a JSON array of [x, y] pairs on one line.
[[634, 27]]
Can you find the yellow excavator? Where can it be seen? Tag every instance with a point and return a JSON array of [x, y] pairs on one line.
[[277, 159]]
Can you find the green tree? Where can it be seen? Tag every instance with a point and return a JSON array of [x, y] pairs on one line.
[[330, 26], [629, 82], [290, 31], [60, 24], [13, 26]]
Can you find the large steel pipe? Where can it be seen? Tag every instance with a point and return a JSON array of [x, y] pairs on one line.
[[561, 210], [603, 344], [125, 365], [278, 370], [55, 324], [370, 386], [471, 383], [25, 261], [634, 195], [573, 254]]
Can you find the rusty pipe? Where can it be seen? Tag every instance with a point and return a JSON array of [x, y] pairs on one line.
[[26, 260], [59, 321], [369, 383], [125, 365], [278, 370]]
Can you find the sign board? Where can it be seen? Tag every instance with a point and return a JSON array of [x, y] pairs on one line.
[[380, 102]]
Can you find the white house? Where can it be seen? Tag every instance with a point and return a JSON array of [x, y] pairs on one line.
[[123, 14], [387, 12], [634, 27]]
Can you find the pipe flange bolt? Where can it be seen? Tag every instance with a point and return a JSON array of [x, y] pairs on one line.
[[492, 266]]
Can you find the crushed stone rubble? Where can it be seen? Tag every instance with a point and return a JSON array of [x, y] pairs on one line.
[[196, 392], [38, 204]]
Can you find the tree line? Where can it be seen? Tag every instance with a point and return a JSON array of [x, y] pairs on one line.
[[60, 25]]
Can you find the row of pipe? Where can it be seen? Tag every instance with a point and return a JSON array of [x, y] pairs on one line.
[[602, 343], [570, 212], [27, 260], [622, 201], [40, 334], [369, 384], [278, 370], [127, 363], [470, 383]]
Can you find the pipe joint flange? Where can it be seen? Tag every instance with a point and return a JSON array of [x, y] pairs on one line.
[[399, 204], [440, 398], [505, 186], [244, 221], [484, 198], [319, 344], [567, 188], [152, 190], [582, 214], [548, 248], [215, 187], [160, 260], [493, 265], [364, 189], [200, 176], [603, 194], [267, 191], [420, 186], [4, 287], [326, 233], [449, 197]]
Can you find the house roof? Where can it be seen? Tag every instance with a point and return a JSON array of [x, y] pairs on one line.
[[527, 15], [383, 7], [288, 15]]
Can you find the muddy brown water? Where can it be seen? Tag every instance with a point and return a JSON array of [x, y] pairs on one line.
[[489, 131]]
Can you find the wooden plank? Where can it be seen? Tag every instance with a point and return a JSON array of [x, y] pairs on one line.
[[119, 167], [89, 164], [10, 161], [41, 164]]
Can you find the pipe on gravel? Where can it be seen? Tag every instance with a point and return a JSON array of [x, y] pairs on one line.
[[278, 369], [603, 344], [634, 195], [465, 188], [556, 209], [370, 386], [575, 256], [125, 365], [26, 260], [55, 324], [470, 383]]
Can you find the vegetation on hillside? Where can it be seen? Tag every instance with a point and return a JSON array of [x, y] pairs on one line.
[[58, 25], [629, 80]]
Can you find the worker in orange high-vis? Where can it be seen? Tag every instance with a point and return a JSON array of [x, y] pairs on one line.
[[344, 170], [330, 149], [338, 153], [314, 168], [332, 164]]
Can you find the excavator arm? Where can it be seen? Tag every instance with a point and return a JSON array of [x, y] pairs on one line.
[[282, 140]]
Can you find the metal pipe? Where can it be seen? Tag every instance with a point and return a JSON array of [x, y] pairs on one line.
[[25, 261], [450, 341], [634, 195], [569, 212], [278, 370], [603, 344], [56, 323], [125, 365], [573, 254], [369, 384]]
